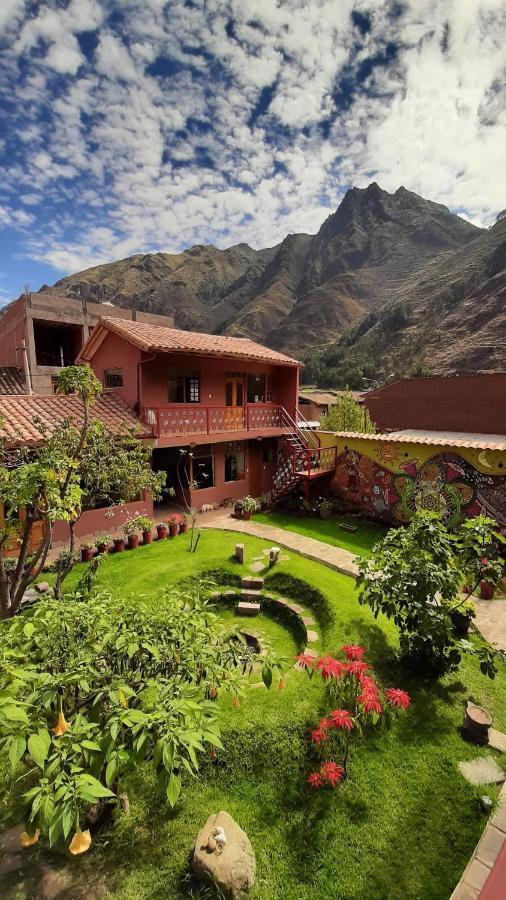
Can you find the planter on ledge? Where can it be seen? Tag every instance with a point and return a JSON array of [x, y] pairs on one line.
[[477, 722], [173, 530], [183, 528], [147, 537], [133, 541], [486, 590], [103, 547], [161, 531], [87, 553], [119, 545]]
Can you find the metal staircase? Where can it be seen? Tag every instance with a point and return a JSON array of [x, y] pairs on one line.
[[298, 453]]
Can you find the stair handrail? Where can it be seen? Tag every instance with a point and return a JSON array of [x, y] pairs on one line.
[[298, 431], [302, 418]]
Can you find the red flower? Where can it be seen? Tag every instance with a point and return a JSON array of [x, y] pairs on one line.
[[319, 735], [332, 772], [315, 780], [351, 651], [484, 561], [325, 724], [341, 719], [330, 667], [398, 697], [370, 704], [369, 688], [357, 667], [305, 661]]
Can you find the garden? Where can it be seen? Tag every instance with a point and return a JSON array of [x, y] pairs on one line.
[[401, 824]]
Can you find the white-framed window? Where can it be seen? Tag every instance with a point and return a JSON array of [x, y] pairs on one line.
[[183, 387]]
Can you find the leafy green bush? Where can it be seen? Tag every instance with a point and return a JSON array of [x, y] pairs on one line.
[[301, 592]]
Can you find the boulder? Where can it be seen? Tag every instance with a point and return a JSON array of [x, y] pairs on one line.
[[233, 869]]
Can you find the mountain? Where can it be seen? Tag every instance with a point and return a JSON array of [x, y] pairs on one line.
[[380, 258]]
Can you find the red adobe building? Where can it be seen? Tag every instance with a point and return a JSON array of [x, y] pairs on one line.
[[216, 406]]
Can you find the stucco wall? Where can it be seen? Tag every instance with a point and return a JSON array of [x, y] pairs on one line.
[[98, 521], [391, 480]]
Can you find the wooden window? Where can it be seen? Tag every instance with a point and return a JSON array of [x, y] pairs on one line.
[[234, 461], [113, 378], [203, 467], [268, 389], [256, 388], [183, 387]]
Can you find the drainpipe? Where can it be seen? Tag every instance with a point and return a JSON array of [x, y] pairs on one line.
[[26, 367]]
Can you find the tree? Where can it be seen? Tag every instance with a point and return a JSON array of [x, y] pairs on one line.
[[75, 469], [414, 576], [90, 690], [347, 415]]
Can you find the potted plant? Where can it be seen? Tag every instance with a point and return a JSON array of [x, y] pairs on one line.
[[132, 529], [87, 550], [238, 509], [249, 506], [119, 544], [146, 525], [183, 526], [161, 530], [102, 543], [173, 521], [325, 509], [304, 507], [491, 574], [462, 617], [264, 502]]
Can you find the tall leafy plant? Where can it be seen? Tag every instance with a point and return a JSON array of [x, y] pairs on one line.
[[347, 414], [90, 689]]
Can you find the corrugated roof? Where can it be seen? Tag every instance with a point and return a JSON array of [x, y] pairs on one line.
[[12, 380], [328, 397], [434, 438], [27, 419], [155, 338]]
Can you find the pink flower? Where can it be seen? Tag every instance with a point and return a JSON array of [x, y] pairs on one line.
[[341, 718], [351, 651], [398, 697], [332, 772], [330, 667], [484, 561], [305, 661], [315, 780]]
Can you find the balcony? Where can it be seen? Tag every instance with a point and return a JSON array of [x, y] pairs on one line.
[[192, 419]]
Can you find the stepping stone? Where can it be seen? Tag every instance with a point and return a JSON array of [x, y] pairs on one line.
[[296, 608], [215, 595], [308, 620], [42, 587], [346, 527], [312, 636], [253, 583], [483, 770], [257, 684], [229, 595], [249, 594], [239, 553], [256, 566], [497, 740], [247, 609]]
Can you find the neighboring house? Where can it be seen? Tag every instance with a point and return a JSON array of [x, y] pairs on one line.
[[313, 403], [26, 420], [12, 380], [464, 403], [221, 410], [40, 333]]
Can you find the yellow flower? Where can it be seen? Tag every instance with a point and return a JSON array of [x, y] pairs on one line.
[[61, 726], [80, 843], [28, 840], [281, 684]]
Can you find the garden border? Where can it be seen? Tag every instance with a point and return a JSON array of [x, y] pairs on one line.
[[485, 854]]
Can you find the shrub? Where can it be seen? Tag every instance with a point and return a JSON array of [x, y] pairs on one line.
[[302, 592]]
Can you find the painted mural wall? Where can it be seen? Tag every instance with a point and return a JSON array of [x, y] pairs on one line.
[[392, 480]]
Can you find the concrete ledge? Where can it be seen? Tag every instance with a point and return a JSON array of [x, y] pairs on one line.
[[485, 854]]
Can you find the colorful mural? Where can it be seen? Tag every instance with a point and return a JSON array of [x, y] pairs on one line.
[[393, 488]]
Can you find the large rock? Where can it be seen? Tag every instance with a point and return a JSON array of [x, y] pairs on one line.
[[232, 870]]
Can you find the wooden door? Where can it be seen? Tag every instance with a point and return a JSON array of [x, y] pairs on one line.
[[234, 401], [255, 469]]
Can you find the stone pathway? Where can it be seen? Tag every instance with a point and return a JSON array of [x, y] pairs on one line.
[[482, 770], [334, 557], [491, 621], [485, 874]]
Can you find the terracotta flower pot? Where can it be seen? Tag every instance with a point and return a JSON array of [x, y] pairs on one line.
[[87, 554], [183, 528], [325, 513], [133, 541], [147, 537], [119, 545], [161, 532], [103, 548], [173, 530], [246, 514], [486, 590]]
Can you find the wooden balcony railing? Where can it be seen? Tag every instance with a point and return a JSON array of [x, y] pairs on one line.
[[173, 421]]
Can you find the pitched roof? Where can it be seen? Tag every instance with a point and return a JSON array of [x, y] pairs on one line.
[[328, 397], [12, 380], [26, 420], [461, 439], [153, 338]]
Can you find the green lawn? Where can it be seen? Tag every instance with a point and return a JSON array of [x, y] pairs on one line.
[[402, 826], [328, 530]]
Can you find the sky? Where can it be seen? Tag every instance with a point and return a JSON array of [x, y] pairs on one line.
[[131, 126]]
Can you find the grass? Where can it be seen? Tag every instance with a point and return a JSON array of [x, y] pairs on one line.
[[328, 530], [401, 828]]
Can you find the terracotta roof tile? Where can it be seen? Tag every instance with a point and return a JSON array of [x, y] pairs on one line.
[[26, 419], [12, 380], [152, 338], [434, 438]]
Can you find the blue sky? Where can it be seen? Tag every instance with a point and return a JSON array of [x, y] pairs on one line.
[[144, 125]]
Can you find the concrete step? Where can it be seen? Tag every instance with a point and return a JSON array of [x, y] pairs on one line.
[[255, 584], [249, 594], [247, 609]]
